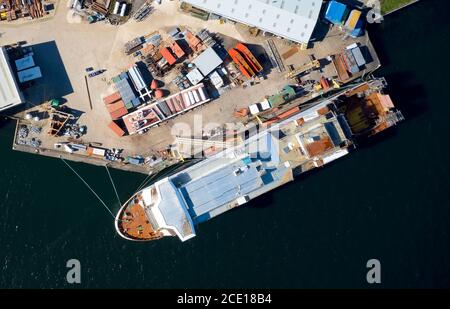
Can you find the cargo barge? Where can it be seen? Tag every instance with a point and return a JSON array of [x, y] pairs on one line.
[[308, 139]]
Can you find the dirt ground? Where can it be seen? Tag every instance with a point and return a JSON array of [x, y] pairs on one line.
[[64, 47]]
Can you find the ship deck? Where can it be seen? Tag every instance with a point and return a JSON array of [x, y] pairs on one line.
[[135, 223]]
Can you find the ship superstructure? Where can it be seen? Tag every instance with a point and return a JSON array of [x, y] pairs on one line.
[[270, 158]]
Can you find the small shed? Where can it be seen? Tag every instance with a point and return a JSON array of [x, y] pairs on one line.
[[336, 12], [207, 61]]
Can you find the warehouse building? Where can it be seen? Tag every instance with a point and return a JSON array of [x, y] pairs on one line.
[[291, 19], [10, 94]]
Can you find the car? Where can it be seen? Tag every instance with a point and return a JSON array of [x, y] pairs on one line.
[[90, 69], [98, 72]]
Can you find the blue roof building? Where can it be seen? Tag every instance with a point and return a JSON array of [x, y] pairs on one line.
[[336, 12]]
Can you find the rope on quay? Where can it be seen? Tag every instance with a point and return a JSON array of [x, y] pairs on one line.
[[89, 187], [147, 179]]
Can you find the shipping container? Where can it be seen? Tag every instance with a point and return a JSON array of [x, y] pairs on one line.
[[112, 98], [119, 113], [179, 101], [353, 19], [202, 93], [123, 9], [196, 96], [167, 54], [158, 112], [187, 101], [171, 106], [164, 108], [115, 106], [116, 8], [177, 104], [129, 105], [95, 151], [191, 97], [116, 129]]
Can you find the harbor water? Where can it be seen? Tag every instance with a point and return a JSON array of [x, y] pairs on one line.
[[388, 201]]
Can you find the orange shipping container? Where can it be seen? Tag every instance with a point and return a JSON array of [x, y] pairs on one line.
[[353, 19], [118, 113], [288, 113], [167, 54], [112, 98], [115, 106], [116, 129]]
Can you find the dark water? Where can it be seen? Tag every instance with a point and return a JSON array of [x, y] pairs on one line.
[[389, 201]]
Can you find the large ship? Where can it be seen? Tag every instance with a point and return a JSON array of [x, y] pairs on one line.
[[307, 139]]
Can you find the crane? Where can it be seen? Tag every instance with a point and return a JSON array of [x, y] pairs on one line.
[[314, 64]]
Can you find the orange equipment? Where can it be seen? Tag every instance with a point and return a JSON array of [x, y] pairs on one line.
[[244, 67], [251, 59]]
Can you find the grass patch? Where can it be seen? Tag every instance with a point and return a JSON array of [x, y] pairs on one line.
[[390, 5]]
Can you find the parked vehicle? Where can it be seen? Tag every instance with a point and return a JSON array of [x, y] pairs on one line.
[[98, 72]]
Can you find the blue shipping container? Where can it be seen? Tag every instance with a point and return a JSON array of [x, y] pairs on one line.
[[336, 12]]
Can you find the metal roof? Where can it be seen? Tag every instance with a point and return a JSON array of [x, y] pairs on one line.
[[359, 57], [207, 61], [174, 211], [335, 12], [9, 91], [220, 187], [124, 88], [24, 63], [29, 74], [292, 19], [137, 78]]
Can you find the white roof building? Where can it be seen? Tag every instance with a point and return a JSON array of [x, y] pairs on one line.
[[10, 94], [291, 19], [207, 61]]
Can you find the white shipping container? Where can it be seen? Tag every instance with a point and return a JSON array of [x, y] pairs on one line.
[[186, 99], [196, 97], [98, 152], [191, 97], [202, 93], [116, 8], [122, 10]]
